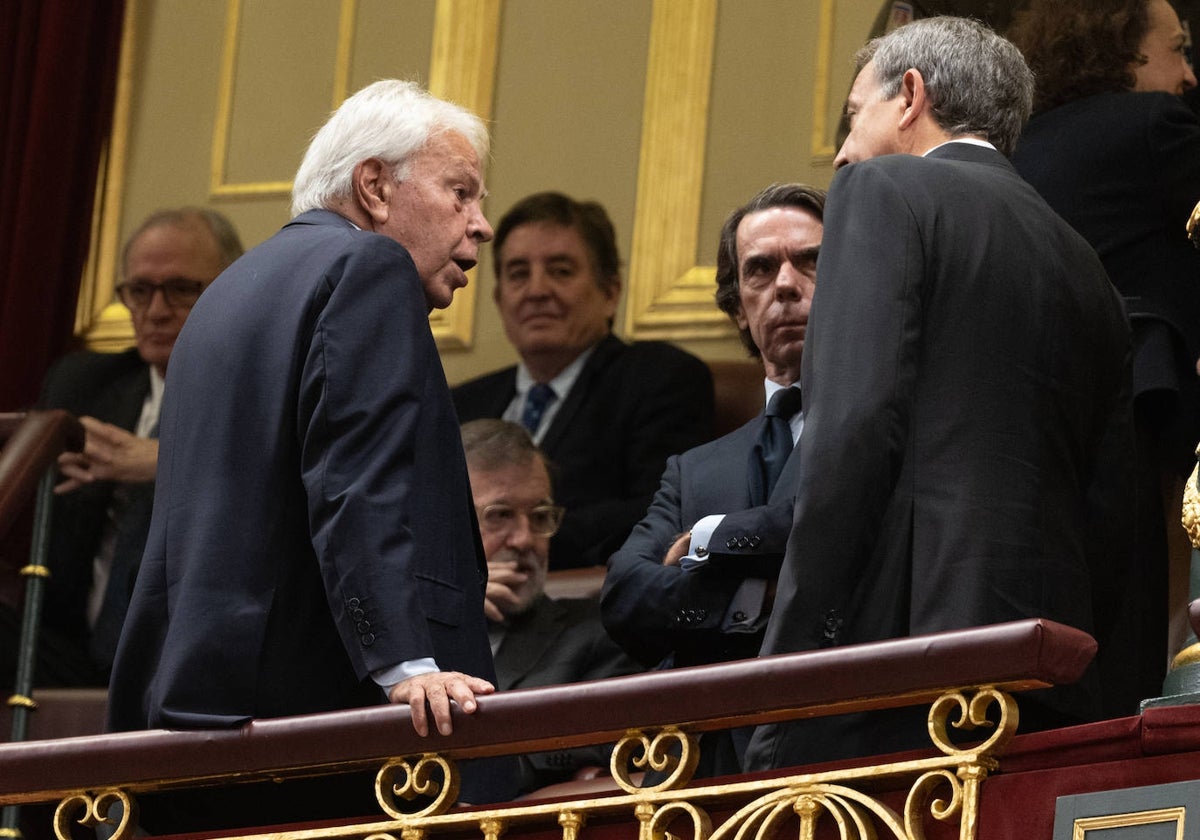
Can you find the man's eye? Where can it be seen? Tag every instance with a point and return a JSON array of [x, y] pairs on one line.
[[499, 515]]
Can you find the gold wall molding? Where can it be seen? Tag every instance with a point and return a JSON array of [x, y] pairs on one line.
[[219, 187], [1109, 821], [103, 323], [462, 68], [670, 296]]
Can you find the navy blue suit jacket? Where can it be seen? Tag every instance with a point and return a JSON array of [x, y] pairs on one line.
[[655, 611], [313, 520]]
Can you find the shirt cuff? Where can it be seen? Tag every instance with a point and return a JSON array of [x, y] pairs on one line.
[[387, 678], [702, 533]]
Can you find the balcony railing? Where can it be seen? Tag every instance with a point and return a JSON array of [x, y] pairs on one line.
[[963, 676]]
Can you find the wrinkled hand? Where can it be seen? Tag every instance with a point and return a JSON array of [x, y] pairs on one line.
[[109, 454], [678, 549], [504, 576], [437, 689]]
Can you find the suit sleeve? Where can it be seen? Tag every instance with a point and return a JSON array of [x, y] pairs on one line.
[[360, 398], [859, 373], [650, 609], [670, 400]]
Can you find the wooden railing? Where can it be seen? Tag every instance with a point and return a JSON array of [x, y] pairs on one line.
[[30, 444], [959, 673]]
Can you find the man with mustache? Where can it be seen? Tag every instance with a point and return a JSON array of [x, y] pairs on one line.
[[536, 641], [606, 413], [657, 609]]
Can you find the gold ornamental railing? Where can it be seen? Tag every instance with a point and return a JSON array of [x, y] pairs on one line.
[[962, 675]]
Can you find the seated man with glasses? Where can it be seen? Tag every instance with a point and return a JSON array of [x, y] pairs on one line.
[[102, 511], [536, 641]]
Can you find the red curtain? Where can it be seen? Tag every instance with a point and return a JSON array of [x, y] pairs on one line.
[[58, 68]]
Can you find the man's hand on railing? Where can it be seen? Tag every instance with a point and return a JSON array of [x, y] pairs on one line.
[[109, 454], [437, 689]]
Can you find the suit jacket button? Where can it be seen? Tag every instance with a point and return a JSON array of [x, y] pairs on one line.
[[755, 542], [368, 639], [739, 616], [353, 603], [363, 626], [731, 543], [357, 615], [701, 614]]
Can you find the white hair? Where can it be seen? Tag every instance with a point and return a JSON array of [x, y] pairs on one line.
[[390, 120]]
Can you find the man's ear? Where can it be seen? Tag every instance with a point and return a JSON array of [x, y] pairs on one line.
[[372, 184], [912, 89]]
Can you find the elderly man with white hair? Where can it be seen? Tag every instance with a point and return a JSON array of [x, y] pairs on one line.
[[312, 546]]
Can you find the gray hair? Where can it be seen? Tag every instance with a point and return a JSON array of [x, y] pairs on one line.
[[224, 234], [492, 444], [977, 82], [390, 120]]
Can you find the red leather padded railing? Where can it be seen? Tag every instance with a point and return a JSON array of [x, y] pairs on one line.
[[1014, 656], [31, 443]]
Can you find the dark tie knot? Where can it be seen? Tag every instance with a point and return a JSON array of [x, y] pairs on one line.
[[784, 403]]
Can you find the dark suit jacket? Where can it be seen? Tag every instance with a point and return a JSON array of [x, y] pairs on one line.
[[965, 359], [556, 642], [1129, 190], [110, 387], [313, 521], [655, 611], [631, 407]]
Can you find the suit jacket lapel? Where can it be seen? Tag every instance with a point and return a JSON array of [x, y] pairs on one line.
[[608, 348], [121, 403], [527, 641]]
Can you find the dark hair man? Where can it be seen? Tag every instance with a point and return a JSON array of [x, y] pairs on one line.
[[605, 412], [690, 614]]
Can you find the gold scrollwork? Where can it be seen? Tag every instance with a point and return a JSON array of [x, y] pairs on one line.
[[663, 817], [1193, 226], [919, 801], [418, 781], [656, 755], [95, 810], [1191, 504], [972, 714], [850, 810]]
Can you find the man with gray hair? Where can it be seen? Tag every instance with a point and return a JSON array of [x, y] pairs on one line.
[[965, 359], [313, 546]]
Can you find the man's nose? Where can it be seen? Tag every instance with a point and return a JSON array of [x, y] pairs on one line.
[[157, 306], [520, 535], [479, 229]]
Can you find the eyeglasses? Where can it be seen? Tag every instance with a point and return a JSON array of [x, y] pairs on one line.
[[543, 519], [179, 293]]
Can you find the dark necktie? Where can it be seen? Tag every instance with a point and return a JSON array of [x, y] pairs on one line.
[[774, 444], [539, 397]]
